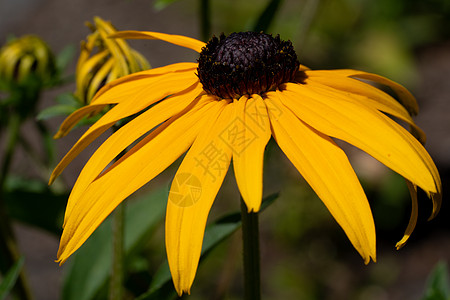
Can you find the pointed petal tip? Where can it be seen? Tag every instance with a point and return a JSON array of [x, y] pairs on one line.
[[254, 210], [401, 243], [186, 291], [252, 207], [55, 173], [437, 201], [62, 132], [59, 259], [179, 40], [58, 135], [52, 179], [182, 290], [370, 257]]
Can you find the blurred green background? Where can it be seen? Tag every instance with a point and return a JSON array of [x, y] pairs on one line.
[[304, 253]]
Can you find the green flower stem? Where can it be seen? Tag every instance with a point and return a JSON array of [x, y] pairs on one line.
[[205, 19], [250, 237], [48, 144], [13, 137], [117, 277], [9, 252]]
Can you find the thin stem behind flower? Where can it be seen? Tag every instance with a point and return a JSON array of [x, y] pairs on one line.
[[205, 19], [250, 237], [8, 246], [116, 286], [117, 277]]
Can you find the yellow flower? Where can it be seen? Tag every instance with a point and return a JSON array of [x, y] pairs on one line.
[[245, 88], [25, 56], [103, 60]]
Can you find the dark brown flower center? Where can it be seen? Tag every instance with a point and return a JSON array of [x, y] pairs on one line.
[[246, 63]]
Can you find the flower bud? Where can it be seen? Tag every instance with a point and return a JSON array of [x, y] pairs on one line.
[[103, 59], [25, 56]]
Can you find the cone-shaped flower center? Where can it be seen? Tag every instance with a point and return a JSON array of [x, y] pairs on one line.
[[246, 63]]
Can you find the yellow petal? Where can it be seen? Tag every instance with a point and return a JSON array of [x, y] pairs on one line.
[[137, 167], [84, 73], [141, 61], [414, 213], [98, 78], [405, 97], [367, 129], [367, 95], [118, 48], [250, 133], [327, 170], [192, 193], [303, 68], [179, 40], [24, 69], [126, 135], [126, 87], [9, 59], [114, 74], [133, 64], [437, 199], [86, 49], [138, 81], [140, 90], [137, 101], [76, 117]]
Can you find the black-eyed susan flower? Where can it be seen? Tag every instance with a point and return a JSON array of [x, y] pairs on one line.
[[26, 56], [103, 60], [245, 89]]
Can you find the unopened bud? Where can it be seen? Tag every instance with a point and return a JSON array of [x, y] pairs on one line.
[[103, 59]]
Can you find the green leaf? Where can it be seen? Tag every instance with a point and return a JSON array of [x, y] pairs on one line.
[[161, 287], [161, 4], [55, 111], [68, 99], [64, 57], [48, 143], [10, 279], [67, 104], [265, 19], [90, 267], [438, 287]]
